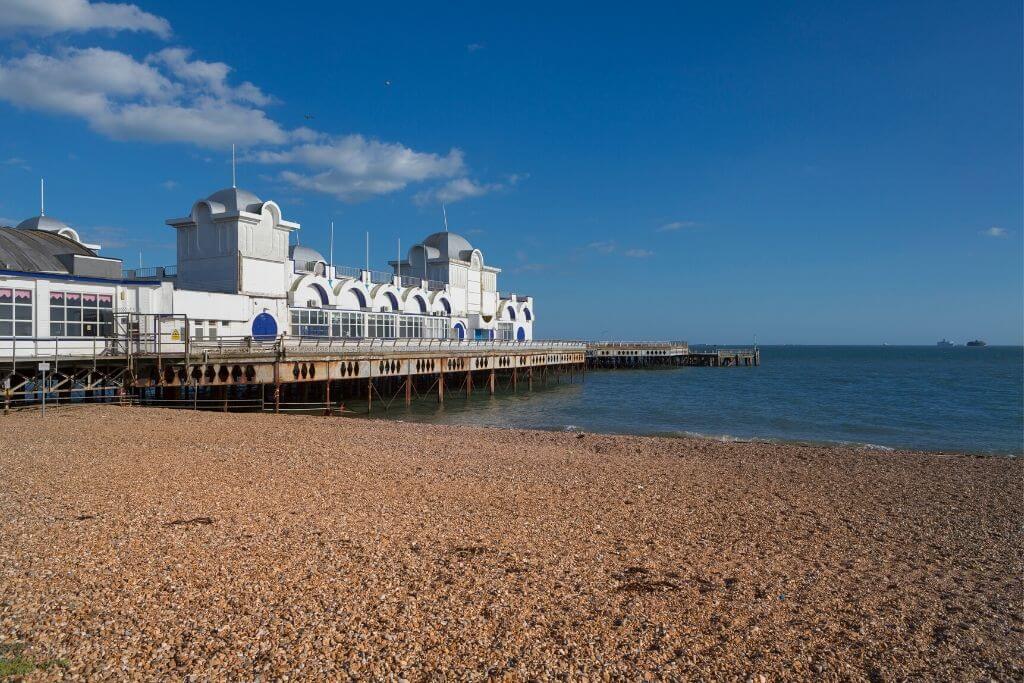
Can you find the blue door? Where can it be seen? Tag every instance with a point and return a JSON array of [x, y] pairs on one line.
[[264, 327], [460, 330], [520, 334]]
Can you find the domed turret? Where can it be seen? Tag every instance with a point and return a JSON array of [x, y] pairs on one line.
[[450, 245], [235, 199], [49, 224]]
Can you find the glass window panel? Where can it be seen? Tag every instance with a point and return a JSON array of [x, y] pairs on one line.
[[105, 301], [6, 311], [56, 298], [23, 329], [73, 298], [22, 312], [89, 315], [6, 296], [6, 328], [88, 330], [56, 313], [23, 296], [74, 329], [74, 313]]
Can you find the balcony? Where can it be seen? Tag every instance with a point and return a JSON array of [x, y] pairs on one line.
[[152, 273]]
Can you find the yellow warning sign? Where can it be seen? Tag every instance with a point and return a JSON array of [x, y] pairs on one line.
[[175, 335]]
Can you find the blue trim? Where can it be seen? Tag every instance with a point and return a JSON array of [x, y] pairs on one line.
[[77, 278]]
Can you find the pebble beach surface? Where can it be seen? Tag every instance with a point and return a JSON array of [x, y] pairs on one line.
[[159, 544]]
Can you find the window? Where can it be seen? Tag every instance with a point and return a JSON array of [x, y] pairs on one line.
[[308, 322], [505, 332], [81, 314], [381, 325], [348, 325], [15, 312]]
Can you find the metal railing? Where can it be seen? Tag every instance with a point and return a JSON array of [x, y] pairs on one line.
[[151, 273], [409, 281], [637, 344], [436, 285], [348, 271], [380, 278]]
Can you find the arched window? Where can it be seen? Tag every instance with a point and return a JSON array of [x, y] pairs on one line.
[[460, 331], [520, 334], [264, 327], [422, 303], [527, 314], [511, 313], [447, 306], [393, 300]]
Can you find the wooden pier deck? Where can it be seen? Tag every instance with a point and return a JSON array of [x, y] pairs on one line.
[[294, 373]]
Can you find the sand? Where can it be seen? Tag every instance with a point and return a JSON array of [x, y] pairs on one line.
[[147, 543]]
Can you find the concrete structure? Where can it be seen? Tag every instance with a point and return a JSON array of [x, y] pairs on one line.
[[239, 276]]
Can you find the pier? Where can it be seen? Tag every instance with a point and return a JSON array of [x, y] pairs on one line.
[[308, 374]]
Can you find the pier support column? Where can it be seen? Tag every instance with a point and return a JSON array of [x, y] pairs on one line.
[[529, 376], [327, 392], [369, 392], [440, 382], [491, 383], [408, 387], [469, 383], [277, 387], [515, 380]]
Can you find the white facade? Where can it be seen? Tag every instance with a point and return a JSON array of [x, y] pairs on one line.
[[238, 277]]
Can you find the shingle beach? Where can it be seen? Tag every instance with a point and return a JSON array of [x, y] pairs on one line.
[[146, 543]]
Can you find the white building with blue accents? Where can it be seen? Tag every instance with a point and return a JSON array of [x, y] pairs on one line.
[[241, 274]]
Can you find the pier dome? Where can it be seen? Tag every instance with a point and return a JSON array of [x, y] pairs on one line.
[[307, 259], [450, 245], [235, 199], [49, 224]]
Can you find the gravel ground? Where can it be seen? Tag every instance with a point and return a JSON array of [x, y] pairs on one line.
[[146, 543]]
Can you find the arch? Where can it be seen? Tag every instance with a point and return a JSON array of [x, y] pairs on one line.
[[511, 312], [386, 296], [264, 327], [527, 314], [441, 303], [521, 334], [460, 331], [415, 299], [318, 288], [271, 207], [352, 295]]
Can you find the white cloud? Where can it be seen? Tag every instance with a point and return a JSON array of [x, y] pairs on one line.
[[463, 188], [45, 17], [638, 253], [169, 184], [995, 232], [127, 99], [8, 222], [605, 247], [210, 76], [677, 225], [474, 47], [354, 168]]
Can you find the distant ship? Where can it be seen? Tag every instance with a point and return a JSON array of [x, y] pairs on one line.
[[977, 342], [945, 342]]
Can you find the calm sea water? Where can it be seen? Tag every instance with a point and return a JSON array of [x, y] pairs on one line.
[[945, 399]]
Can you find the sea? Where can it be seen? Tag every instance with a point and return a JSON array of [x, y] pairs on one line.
[[948, 399]]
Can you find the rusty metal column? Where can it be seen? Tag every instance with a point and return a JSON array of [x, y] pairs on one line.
[[491, 382], [469, 382], [440, 382], [515, 380], [277, 386], [327, 390], [529, 374], [369, 390], [408, 384]]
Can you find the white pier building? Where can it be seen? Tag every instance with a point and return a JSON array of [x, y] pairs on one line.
[[240, 274]]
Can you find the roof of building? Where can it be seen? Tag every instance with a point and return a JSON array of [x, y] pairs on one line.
[[236, 199], [303, 255], [34, 250], [450, 245]]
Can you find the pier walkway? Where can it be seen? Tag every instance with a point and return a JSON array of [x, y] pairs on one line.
[[295, 373]]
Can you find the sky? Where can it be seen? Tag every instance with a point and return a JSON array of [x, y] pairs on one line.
[[809, 173]]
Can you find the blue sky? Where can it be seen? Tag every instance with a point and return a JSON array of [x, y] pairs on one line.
[[807, 173]]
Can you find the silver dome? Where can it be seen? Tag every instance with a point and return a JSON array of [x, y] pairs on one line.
[[450, 245], [234, 199]]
